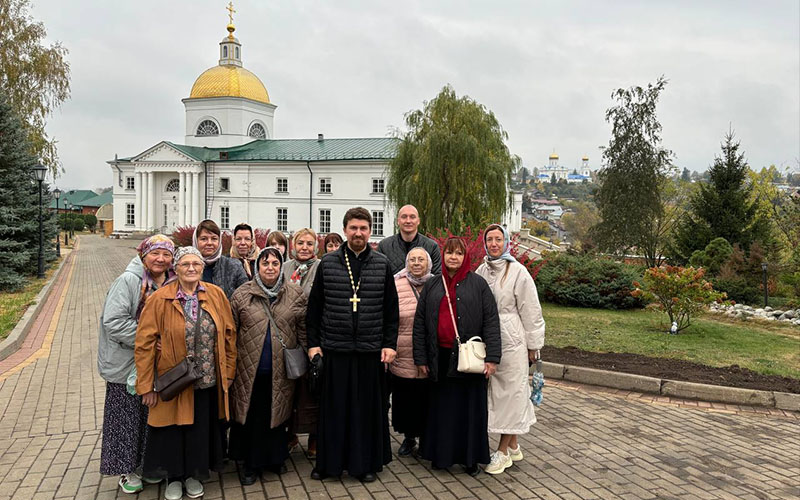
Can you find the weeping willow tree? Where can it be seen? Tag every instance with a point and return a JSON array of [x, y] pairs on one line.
[[452, 164]]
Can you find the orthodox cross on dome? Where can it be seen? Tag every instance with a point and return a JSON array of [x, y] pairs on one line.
[[231, 27]]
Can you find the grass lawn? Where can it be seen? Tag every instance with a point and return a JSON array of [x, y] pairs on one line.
[[13, 305], [770, 349]]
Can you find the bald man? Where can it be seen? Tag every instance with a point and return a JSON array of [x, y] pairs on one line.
[[397, 247]]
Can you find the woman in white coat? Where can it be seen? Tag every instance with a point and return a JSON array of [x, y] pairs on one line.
[[522, 332]]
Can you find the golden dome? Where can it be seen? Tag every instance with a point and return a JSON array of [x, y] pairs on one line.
[[229, 81], [554, 156], [585, 158]]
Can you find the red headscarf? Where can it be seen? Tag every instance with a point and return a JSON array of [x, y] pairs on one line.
[[446, 332]]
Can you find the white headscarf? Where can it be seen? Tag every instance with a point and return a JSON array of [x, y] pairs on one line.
[[506, 255], [405, 273]]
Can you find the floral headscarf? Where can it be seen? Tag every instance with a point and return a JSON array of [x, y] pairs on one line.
[[506, 255], [303, 267], [155, 242]]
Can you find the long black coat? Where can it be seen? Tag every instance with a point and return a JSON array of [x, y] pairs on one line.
[[476, 312]]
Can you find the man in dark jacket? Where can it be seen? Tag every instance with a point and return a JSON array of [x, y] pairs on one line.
[[396, 247], [352, 322]]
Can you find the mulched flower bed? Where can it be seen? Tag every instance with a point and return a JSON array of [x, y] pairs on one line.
[[672, 369]]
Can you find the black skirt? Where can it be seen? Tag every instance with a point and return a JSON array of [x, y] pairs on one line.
[[458, 419], [124, 431], [255, 443], [409, 404], [182, 451], [353, 429]]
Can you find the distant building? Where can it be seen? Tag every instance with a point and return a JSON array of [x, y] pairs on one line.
[[572, 176]]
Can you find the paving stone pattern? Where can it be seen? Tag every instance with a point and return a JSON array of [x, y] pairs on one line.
[[587, 444]]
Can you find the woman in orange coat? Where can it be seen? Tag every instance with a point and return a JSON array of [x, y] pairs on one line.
[[188, 317]]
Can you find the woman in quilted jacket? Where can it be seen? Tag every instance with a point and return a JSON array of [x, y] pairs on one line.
[[270, 314], [409, 386]]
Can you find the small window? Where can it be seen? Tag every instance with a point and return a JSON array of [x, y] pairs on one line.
[[173, 186], [130, 183], [324, 220], [130, 218], [283, 219], [325, 185], [377, 222], [257, 131], [207, 127], [236, 49], [225, 217], [283, 185], [224, 51], [377, 186], [224, 185]]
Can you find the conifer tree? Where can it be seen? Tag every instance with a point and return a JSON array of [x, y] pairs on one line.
[[19, 204]]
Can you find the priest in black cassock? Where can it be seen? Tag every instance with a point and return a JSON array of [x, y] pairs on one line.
[[352, 321]]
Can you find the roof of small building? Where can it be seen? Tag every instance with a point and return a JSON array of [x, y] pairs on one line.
[[97, 201], [381, 148], [75, 197]]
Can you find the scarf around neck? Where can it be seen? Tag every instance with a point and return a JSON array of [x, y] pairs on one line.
[[217, 254], [272, 291], [405, 273]]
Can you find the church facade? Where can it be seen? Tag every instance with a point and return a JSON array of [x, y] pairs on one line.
[[232, 169]]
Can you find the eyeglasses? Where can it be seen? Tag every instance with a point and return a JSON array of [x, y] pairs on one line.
[[187, 265]]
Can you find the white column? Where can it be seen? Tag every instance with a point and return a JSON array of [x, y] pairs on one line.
[[137, 184], [181, 199], [151, 200], [196, 197], [189, 200], [145, 202]]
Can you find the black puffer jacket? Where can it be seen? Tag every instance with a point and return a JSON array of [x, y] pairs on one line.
[[394, 249], [477, 316], [331, 322]]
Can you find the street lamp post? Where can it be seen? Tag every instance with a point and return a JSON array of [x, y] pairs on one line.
[[57, 195], [766, 292], [40, 171]]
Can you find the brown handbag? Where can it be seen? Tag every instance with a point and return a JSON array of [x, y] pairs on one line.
[[179, 377]]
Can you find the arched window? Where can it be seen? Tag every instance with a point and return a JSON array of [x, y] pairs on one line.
[[237, 52], [224, 51], [257, 131], [207, 127], [173, 186]]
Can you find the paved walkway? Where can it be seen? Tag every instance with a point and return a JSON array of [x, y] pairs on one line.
[[587, 444]]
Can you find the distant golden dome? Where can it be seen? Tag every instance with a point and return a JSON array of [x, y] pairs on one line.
[[554, 156], [585, 158], [229, 81]]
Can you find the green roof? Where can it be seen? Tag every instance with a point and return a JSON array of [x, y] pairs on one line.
[[74, 196], [97, 201], [376, 148]]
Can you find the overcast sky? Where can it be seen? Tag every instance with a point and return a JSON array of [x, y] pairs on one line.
[[353, 68]]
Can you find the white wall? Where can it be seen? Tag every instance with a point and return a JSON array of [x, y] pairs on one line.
[[233, 115]]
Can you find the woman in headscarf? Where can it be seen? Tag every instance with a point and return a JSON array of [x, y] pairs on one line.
[[193, 319], [222, 271], [244, 248], [455, 430], [522, 330], [262, 396], [278, 240], [331, 243], [124, 416], [301, 271], [409, 386]]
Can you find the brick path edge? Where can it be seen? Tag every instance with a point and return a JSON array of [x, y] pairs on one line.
[[17, 337], [675, 388]]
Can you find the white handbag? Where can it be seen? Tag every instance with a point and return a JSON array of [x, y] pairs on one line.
[[472, 353]]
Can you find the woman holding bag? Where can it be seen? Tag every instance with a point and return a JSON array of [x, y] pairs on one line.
[[192, 321], [522, 330], [270, 315], [453, 309]]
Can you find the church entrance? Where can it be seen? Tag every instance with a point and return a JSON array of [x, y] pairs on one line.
[[170, 213]]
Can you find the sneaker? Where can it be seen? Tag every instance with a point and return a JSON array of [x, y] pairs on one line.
[[499, 463], [152, 480], [194, 488], [515, 454], [174, 491], [130, 483]]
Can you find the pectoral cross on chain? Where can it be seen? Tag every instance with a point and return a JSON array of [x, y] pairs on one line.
[[355, 300]]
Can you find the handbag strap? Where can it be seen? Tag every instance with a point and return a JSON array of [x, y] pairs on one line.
[[188, 355], [274, 325], [449, 305]]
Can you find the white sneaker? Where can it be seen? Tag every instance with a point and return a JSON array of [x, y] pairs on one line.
[[499, 463], [130, 483], [515, 454], [194, 488], [174, 491]]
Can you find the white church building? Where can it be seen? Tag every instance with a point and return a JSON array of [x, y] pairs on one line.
[[561, 172], [232, 169]]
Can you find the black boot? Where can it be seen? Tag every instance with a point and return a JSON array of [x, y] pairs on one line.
[[247, 476], [407, 447]]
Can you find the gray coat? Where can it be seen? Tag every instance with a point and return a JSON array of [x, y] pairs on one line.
[[394, 248], [229, 275], [118, 324]]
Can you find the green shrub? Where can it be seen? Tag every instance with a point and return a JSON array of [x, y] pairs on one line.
[[739, 289], [713, 256], [587, 281], [91, 221]]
